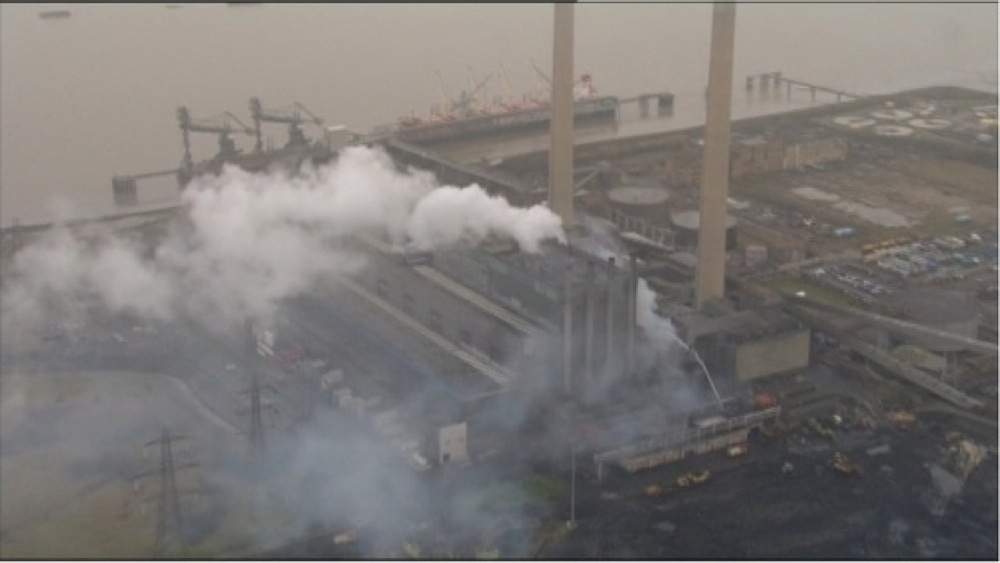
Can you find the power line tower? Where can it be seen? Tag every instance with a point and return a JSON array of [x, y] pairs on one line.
[[169, 513], [255, 434], [256, 426], [169, 521]]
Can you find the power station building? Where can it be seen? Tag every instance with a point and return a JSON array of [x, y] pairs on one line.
[[562, 315], [748, 344]]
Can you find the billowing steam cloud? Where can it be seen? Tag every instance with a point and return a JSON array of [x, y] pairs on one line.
[[471, 213], [664, 344], [253, 239]]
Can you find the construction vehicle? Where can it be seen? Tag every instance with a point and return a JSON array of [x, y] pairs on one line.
[[694, 478], [769, 431], [349, 536], [816, 426], [488, 553], [411, 550], [737, 450], [765, 401], [844, 464], [901, 419]]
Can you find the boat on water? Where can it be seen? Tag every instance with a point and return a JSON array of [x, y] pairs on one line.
[[54, 14], [532, 112]]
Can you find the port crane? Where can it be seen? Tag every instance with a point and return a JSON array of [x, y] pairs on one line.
[[508, 101], [223, 128], [291, 116], [468, 102], [445, 108], [543, 93]]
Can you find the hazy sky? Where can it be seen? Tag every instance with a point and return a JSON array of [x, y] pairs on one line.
[[84, 98]]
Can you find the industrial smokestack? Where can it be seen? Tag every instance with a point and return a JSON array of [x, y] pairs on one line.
[[633, 293], [710, 278], [561, 150], [588, 351], [567, 347]]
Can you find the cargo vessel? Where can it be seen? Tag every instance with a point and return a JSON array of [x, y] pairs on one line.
[[471, 121], [54, 14]]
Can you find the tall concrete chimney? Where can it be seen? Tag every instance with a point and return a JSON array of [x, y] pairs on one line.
[[710, 278], [567, 347], [561, 150]]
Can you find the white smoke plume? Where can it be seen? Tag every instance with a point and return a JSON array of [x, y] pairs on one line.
[[664, 344], [251, 240], [450, 214]]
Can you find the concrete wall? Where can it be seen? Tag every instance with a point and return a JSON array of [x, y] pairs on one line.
[[597, 345], [589, 382], [772, 355], [437, 309]]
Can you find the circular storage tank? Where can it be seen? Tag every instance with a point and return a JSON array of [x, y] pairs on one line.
[[686, 224], [853, 122], [892, 114], [951, 311], [640, 201], [931, 123], [893, 131]]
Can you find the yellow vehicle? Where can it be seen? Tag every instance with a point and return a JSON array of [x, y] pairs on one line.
[[694, 478], [844, 464], [412, 551], [737, 450], [653, 490], [346, 537], [902, 419], [488, 553]]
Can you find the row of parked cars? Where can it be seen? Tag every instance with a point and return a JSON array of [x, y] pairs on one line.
[[932, 256]]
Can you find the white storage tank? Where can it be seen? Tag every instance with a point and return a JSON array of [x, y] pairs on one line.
[[687, 223], [646, 202]]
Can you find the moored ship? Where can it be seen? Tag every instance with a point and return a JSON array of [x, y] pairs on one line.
[[467, 118]]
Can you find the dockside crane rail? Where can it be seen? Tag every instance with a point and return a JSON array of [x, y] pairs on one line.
[[292, 116], [221, 126]]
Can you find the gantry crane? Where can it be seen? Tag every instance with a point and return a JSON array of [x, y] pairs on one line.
[[223, 128], [290, 116]]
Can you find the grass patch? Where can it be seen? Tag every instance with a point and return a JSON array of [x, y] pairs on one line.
[[507, 496], [493, 498], [789, 285], [545, 487]]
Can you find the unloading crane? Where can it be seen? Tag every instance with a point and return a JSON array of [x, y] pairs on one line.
[[542, 93], [508, 100], [223, 128], [291, 116], [468, 102], [445, 107]]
